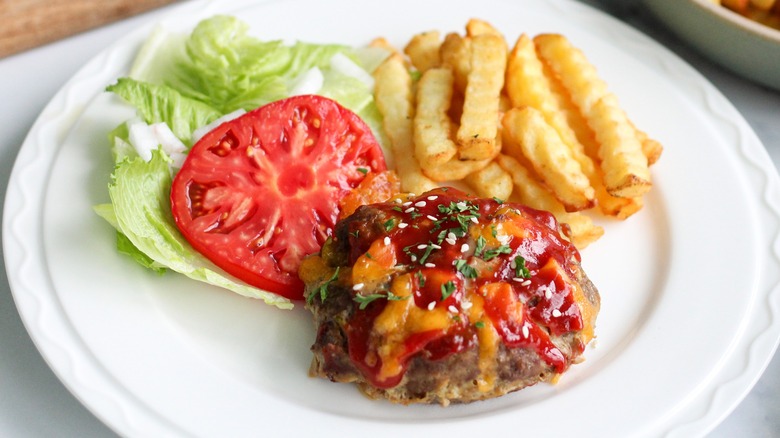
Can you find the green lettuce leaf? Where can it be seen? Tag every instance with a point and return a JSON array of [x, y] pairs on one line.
[[187, 81], [160, 103], [139, 193]]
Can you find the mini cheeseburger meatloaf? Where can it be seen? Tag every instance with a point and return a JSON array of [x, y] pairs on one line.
[[444, 298]]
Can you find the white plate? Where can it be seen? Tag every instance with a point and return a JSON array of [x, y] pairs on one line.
[[690, 285], [743, 46]]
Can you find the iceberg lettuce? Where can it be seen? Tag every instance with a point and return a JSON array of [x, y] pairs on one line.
[[188, 82]]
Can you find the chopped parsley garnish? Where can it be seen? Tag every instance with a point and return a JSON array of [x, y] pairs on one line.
[[420, 279], [390, 224], [464, 268], [362, 170], [521, 271], [493, 253], [365, 300], [480, 246], [419, 258], [500, 201], [447, 289], [479, 324], [322, 290], [464, 213], [426, 254]]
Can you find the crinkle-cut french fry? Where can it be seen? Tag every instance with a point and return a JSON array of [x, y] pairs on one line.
[[578, 76], [455, 53], [626, 173], [395, 101], [552, 160], [479, 120], [423, 50], [529, 191], [492, 181], [528, 85], [455, 169], [432, 126], [475, 27], [651, 148], [609, 205]]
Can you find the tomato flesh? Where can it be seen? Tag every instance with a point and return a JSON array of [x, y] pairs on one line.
[[260, 192]]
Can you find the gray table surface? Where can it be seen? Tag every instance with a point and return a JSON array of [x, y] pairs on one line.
[[34, 403]]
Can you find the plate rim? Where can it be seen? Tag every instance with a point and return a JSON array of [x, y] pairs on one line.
[[55, 111]]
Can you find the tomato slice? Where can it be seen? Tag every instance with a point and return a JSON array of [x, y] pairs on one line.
[[260, 192]]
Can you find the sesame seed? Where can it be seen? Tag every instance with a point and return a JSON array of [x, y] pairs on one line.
[[431, 305], [461, 205], [435, 246], [398, 200], [407, 203], [548, 294], [452, 309], [464, 247], [358, 286], [387, 240], [528, 283], [431, 217], [512, 264], [433, 198], [451, 236], [556, 313], [402, 225], [409, 210], [525, 331], [420, 204], [450, 241], [466, 305], [413, 258], [474, 219], [429, 265], [422, 246], [517, 279]]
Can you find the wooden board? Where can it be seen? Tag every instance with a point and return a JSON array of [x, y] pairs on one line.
[[31, 23]]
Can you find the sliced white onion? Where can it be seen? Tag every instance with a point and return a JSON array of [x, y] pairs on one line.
[[342, 64], [143, 140], [309, 82], [178, 159], [168, 140], [203, 130]]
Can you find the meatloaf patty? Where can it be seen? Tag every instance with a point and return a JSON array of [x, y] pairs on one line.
[[443, 298]]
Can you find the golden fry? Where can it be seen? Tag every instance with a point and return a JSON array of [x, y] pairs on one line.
[[433, 146], [492, 181], [529, 191], [552, 160], [455, 170], [479, 120], [423, 50], [394, 99], [626, 172], [475, 27], [455, 53]]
